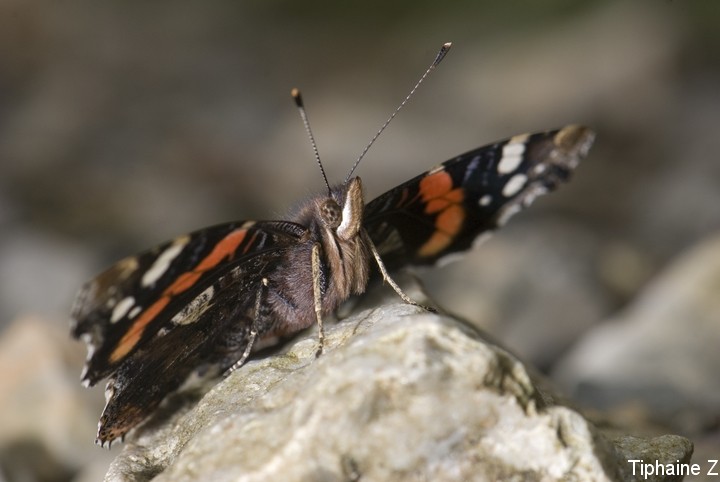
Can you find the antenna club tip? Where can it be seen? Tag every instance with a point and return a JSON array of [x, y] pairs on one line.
[[441, 54], [295, 93]]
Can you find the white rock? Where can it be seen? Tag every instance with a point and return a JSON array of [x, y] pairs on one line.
[[662, 351], [400, 394]]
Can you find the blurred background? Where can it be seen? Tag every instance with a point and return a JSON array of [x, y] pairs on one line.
[[123, 124]]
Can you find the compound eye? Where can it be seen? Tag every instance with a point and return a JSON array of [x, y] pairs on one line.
[[331, 214]]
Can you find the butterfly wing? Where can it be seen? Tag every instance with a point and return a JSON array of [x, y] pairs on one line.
[[211, 331], [153, 319], [121, 309], [446, 209]]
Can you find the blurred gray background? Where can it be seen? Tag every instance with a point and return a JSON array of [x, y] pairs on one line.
[[123, 124]]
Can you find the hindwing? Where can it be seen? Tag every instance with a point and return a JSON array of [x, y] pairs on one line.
[[210, 333]]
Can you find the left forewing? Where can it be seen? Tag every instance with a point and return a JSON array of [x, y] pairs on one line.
[[212, 331], [124, 308]]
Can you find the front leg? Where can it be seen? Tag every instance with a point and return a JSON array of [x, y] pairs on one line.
[[387, 278]]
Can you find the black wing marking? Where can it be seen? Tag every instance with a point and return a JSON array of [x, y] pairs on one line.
[[447, 208], [215, 336], [123, 308]]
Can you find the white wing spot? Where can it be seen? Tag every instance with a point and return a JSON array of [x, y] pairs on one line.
[[512, 155], [514, 185], [121, 309], [540, 168], [507, 213], [532, 194], [87, 338], [485, 200], [163, 261], [109, 393], [471, 168], [134, 312], [192, 312], [481, 239]]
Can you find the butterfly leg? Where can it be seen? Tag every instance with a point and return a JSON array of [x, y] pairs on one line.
[[386, 277], [317, 297], [259, 297]]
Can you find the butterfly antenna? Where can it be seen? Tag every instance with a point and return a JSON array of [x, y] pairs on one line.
[[295, 93], [441, 55]]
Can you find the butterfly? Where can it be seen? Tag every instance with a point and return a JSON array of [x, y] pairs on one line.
[[207, 298]]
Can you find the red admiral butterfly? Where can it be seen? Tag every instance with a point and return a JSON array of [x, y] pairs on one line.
[[208, 297]]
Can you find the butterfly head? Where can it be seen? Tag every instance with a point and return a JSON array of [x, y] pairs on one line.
[[343, 211]]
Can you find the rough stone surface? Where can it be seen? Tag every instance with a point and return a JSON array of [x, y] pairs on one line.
[[667, 448], [661, 353], [400, 394]]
